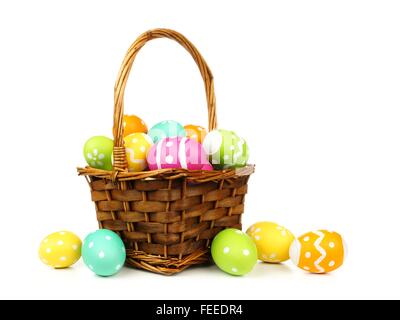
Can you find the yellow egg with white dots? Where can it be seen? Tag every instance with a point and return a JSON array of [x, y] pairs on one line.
[[272, 240], [60, 249], [137, 146]]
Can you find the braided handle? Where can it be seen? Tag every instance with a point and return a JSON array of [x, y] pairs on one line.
[[120, 163]]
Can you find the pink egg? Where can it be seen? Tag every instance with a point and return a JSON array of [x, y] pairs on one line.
[[178, 152]]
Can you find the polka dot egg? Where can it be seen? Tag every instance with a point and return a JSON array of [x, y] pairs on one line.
[[98, 152], [137, 146], [234, 252], [318, 251], [104, 252], [226, 149], [174, 153], [60, 249], [166, 129], [194, 132], [272, 240]]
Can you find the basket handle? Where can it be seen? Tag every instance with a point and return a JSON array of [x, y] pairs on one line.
[[120, 163]]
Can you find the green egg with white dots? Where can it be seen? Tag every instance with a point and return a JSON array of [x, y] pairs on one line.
[[241, 155], [103, 252], [98, 152], [226, 149], [234, 252]]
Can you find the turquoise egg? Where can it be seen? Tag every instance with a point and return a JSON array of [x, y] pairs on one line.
[[234, 252], [103, 252], [98, 152], [166, 129]]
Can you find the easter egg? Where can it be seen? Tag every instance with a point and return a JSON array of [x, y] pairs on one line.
[[98, 152], [318, 251], [272, 240], [133, 124], [166, 129], [103, 252], [137, 146], [60, 249], [234, 252], [174, 153], [194, 132], [242, 156], [226, 149]]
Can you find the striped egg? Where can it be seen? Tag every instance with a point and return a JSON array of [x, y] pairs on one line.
[[176, 153], [318, 251], [226, 149]]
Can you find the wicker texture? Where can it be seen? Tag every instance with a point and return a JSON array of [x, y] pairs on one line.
[[167, 218]]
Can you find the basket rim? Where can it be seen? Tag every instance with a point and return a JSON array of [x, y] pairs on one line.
[[169, 174]]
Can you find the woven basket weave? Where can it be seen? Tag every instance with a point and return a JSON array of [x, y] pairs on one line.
[[167, 218]]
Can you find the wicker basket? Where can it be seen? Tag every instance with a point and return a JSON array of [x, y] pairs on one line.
[[167, 218]]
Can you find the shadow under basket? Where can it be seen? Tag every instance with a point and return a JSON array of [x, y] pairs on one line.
[[167, 218]]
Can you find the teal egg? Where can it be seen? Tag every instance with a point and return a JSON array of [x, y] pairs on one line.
[[226, 149], [166, 129], [98, 152], [234, 252], [103, 252]]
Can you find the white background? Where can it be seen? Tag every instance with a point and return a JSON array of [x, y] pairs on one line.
[[314, 87]]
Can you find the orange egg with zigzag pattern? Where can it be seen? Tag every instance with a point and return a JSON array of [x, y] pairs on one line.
[[319, 251]]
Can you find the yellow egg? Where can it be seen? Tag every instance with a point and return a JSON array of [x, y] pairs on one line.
[[137, 146], [272, 240], [60, 249], [318, 251]]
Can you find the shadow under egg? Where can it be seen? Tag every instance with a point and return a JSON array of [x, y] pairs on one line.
[[263, 269]]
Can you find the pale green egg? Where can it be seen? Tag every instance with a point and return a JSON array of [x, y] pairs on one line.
[[98, 152], [234, 252], [241, 155], [226, 149]]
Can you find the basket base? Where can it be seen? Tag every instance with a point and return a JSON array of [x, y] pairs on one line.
[[165, 266]]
